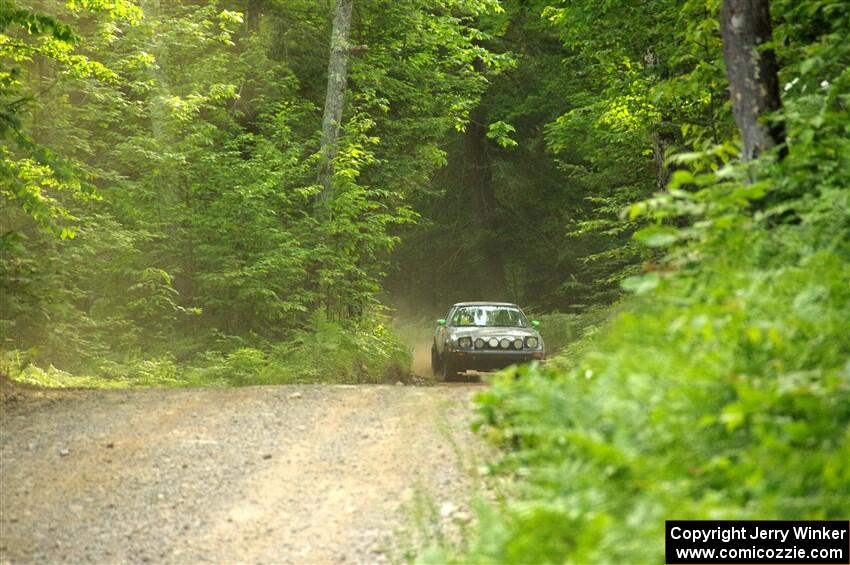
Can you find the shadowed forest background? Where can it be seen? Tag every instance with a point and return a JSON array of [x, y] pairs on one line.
[[668, 191], [160, 174]]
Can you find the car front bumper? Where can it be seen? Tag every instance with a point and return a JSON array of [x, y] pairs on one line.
[[473, 360]]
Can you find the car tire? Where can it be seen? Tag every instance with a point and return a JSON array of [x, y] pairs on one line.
[[435, 360], [449, 369]]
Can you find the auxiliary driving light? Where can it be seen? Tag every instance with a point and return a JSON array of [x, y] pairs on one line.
[[493, 342], [505, 343], [480, 343]]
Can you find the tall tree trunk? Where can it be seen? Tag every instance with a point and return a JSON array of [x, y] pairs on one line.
[[335, 96], [252, 16], [478, 178], [752, 73], [664, 133], [161, 87], [663, 138]]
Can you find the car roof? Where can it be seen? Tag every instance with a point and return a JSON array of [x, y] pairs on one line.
[[485, 304]]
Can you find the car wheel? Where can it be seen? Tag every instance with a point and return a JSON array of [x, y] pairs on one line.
[[449, 369], [435, 360]]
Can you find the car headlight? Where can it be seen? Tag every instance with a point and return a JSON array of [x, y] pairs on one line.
[[505, 343], [480, 343], [532, 342], [518, 343], [464, 342], [493, 342]]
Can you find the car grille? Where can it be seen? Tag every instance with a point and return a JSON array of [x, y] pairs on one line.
[[498, 347]]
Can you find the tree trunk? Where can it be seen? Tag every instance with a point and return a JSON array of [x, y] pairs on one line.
[[662, 139], [335, 97], [252, 16], [664, 133], [752, 73], [478, 178]]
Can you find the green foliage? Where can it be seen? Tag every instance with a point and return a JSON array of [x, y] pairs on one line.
[[559, 180], [721, 390], [500, 132], [560, 330], [33, 176], [174, 151], [734, 405], [365, 352], [327, 352], [156, 371]]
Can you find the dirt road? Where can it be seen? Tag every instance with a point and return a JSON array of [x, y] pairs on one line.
[[294, 474]]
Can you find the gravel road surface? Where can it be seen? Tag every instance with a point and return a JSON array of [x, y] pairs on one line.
[[288, 474]]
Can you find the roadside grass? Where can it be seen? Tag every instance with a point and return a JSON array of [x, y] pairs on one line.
[[431, 521], [559, 330], [326, 353], [720, 395]]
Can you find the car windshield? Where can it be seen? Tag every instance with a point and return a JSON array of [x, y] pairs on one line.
[[492, 316]]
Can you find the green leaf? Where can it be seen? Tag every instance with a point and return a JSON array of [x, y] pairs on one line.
[[500, 132], [657, 236], [641, 284]]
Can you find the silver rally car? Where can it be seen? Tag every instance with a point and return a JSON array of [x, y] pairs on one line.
[[483, 336]]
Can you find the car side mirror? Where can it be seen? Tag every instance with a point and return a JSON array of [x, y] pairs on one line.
[[535, 324], [441, 322]]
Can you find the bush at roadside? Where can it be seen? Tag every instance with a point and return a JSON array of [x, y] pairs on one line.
[[328, 352], [721, 390]]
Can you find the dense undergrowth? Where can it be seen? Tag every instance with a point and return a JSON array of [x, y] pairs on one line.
[[325, 352], [720, 390], [160, 217], [560, 330], [735, 406]]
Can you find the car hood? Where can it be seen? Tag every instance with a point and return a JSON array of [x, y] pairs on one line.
[[494, 332]]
